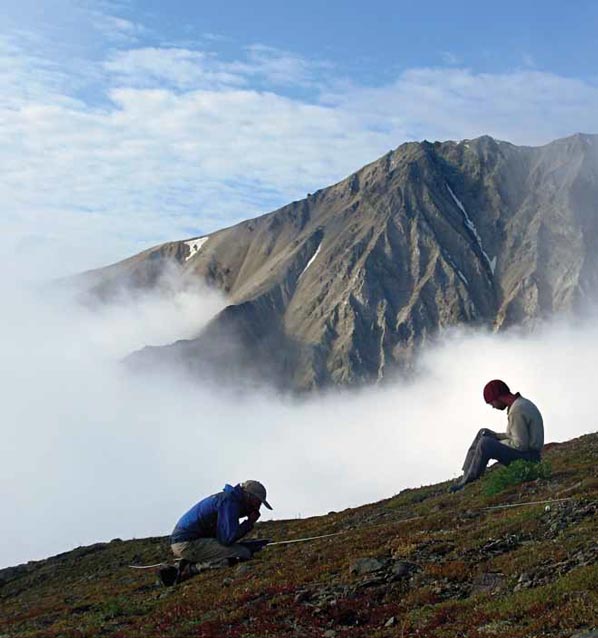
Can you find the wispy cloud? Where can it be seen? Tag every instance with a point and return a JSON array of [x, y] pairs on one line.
[[191, 69], [115, 29], [171, 68], [29, 77], [283, 68], [528, 61], [448, 57], [524, 107], [111, 18]]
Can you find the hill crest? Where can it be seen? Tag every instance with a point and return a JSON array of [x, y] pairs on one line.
[[422, 562]]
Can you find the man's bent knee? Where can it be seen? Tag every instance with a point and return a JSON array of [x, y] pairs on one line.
[[209, 549], [178, 549]]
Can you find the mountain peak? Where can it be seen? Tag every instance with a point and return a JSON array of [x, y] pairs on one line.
[[344, 286], [576, 141]]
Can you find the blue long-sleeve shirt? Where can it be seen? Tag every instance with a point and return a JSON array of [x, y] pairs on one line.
[[216, 516]]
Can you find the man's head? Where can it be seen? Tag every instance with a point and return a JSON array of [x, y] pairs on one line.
[[255, 494], [496, 394]]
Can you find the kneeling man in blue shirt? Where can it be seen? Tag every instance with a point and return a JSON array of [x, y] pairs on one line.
[[209, 533]]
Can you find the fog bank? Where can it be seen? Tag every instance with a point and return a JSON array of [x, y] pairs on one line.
[[92, 453]]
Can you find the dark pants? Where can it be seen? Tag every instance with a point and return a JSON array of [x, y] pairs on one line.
[[485, 447]]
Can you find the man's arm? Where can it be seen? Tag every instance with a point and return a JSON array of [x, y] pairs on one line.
[[493, 434], [227, 527], [246, 526], [229, 530]]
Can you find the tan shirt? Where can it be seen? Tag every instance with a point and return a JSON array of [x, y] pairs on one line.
[[525, 429]]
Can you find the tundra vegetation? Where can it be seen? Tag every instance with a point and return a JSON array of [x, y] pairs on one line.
[[422, 563]]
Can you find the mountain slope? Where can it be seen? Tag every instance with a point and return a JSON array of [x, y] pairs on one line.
[[422, 563], [343, 286]]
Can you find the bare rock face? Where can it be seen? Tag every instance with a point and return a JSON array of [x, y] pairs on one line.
[[343, 286]]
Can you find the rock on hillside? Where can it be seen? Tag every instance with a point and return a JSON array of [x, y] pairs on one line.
[[422, 563], [343, 286]]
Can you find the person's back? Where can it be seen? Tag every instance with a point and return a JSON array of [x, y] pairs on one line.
[[215, 516], [525, 428]]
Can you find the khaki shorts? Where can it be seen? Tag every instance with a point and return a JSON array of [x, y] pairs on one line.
[[207, 550]]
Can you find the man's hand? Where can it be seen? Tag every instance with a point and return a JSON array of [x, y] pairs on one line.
[[253, 516]]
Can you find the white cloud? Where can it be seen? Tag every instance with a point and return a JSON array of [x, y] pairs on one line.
[[176, 68], [283, 68], [116, 29], [524, 107], [187, 69], [158, 161], [28, 78]]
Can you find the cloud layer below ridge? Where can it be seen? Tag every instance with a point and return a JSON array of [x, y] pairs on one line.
[[93, 453]]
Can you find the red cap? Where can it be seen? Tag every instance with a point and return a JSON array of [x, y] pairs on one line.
[[494, 390]]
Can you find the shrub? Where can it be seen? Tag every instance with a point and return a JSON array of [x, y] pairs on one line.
[[515, 473]]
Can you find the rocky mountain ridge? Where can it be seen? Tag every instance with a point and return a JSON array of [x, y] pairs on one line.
[[344, 286]]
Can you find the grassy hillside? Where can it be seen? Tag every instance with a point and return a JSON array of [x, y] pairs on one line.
[[423, 563]]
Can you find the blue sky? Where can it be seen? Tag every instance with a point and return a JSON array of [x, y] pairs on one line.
[[126, 124], [373, 40], [370, 42]]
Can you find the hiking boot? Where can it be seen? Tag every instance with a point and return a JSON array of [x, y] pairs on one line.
[[186, 570], [456, 486], [168, 575]]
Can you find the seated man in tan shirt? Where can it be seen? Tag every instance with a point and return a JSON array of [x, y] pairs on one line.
[[523, 439]]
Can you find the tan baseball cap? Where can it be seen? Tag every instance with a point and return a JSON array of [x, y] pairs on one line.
[[255, 488]]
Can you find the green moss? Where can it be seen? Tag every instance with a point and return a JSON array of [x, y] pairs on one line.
[[514, 474], [118, 608]]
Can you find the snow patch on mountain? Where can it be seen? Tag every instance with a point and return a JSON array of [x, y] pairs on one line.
[[472, 228], [194, 246], [311, 261], [493, 264]]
